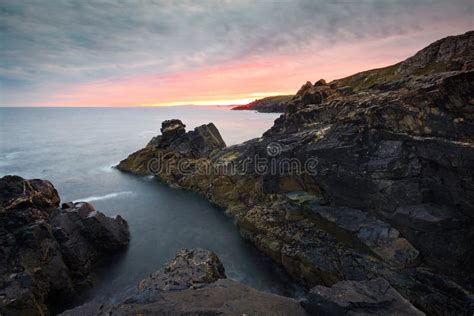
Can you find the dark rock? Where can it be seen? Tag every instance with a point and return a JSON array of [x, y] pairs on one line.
[[379, 237], [17, 192], [170, 130], [375, 297], [46, 253], [189, 268], [199, 142], [320, 82]]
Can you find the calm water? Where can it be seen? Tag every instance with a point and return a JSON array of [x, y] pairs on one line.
[[75, 148]]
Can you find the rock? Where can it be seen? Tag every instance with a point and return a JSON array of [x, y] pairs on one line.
[[84, 235], [171, 130], [47, 253], [379, 237], [194, 283], [18, 193], [199, 142], [375, 297], [188, 269], [313, 94]]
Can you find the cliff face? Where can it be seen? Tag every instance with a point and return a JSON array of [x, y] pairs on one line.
[[47, 252], [363, 178]]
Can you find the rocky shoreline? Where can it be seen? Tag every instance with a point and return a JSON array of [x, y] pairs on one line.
[[389, 193], [362, 191]]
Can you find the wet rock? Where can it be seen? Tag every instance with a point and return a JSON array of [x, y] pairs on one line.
[[46, 253], [375, 297]]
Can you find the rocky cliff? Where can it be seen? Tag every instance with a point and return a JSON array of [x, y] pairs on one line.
[[364, 178], [46, 251]]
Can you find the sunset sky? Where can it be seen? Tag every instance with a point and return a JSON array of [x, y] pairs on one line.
[[133, 53]]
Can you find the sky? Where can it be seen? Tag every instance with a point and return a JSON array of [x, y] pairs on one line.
[[151, 53]]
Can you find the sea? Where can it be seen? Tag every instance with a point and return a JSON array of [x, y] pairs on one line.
[[77, 148]]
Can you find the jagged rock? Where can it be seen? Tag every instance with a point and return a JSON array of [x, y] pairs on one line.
[[84, 235], [18, 193], [47, 253], [188, 269], [199, 142], [375, 297], [194, 283], [312, 94], [170, 130]]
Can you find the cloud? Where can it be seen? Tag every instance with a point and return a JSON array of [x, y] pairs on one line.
[[47, 45]]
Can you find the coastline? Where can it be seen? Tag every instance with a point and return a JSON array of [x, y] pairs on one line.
[[376, 145]]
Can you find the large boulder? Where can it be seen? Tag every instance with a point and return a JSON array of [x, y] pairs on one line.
[[47, 252], [189, 268]]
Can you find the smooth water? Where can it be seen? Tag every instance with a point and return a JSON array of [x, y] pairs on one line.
[[75, 148]]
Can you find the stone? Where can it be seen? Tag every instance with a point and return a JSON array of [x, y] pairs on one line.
[[47, 253], [374, 297], [189, 268], [379, 237]]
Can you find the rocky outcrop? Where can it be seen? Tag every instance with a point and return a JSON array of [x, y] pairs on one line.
[[174, 142], [188, 269], [196, 143], [194, 283], [47, 252], [362, 178], [275, 104]]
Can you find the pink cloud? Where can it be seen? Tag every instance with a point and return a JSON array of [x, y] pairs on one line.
[[244, 80]]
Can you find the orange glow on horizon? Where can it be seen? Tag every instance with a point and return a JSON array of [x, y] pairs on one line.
[[238, 82]]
